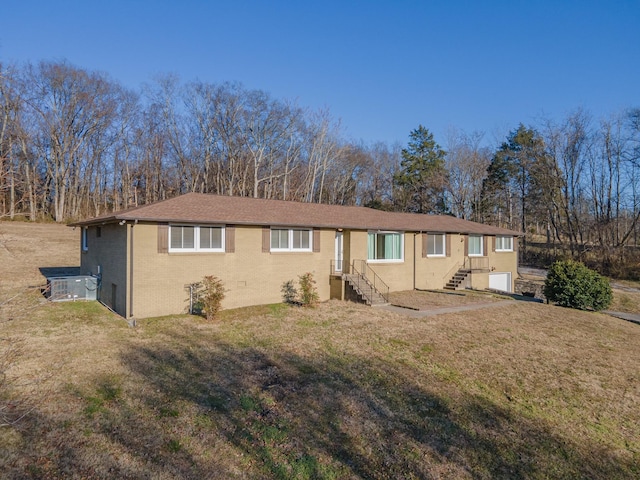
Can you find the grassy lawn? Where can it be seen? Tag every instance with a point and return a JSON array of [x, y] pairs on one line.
[[340, 391], [427, 300]]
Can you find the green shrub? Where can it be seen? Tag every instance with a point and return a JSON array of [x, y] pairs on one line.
[[306, 295], [289, 292], [308, 291], [211, 296], [572, 284]]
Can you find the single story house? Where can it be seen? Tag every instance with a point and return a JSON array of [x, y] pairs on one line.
[[146, 257]]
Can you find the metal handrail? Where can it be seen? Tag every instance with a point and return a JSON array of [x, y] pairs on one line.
[[376, 283]]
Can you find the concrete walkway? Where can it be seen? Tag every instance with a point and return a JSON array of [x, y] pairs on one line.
[[629, 317], [442, 310]]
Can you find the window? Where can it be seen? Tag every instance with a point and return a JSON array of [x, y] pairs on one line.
[[182, 237], [504, 244], [290, 240], [301, 239], [475, 245], [194, 238], [85, 243], [436, 245], [210, 238], [385, 247], [279, 239]]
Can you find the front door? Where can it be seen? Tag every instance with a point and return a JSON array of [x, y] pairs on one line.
[[339, 252]]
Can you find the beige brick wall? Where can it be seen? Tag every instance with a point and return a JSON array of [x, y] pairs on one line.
[[250, 276], [431, 272]]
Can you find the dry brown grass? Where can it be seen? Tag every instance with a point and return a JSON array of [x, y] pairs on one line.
[[340, 391], [427, 300], [625, 300], [27, 247]]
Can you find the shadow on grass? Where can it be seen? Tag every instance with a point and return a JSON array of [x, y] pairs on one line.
[[216, 410], [335, 416], [49, 272]]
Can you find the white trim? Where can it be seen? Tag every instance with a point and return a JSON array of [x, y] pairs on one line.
[[290, 247], [196, 240]]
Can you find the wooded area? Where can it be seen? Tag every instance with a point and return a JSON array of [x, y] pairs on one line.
[[76, 143]]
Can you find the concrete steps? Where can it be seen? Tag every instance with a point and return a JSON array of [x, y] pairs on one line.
[[457, 281], [366, 292]]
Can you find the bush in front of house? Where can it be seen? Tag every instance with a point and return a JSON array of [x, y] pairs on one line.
[[289, 293], [211, 295], [308, 291], [306, 295], [572, 284]]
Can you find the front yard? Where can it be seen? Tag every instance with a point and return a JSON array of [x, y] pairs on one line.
[[522, 390]]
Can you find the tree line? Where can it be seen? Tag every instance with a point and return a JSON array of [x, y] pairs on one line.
[[76, 143]]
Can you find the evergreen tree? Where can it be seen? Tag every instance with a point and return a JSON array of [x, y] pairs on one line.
[[519, 181], [421, 181]]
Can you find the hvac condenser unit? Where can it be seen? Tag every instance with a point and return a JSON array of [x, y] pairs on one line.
[[62, 289]]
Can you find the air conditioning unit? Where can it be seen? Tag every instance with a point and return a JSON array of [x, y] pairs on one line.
[[80, 287]]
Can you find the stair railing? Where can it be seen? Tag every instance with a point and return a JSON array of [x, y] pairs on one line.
[[362, 268]]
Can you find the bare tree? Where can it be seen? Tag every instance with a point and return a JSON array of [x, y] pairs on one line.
[[466, 162]]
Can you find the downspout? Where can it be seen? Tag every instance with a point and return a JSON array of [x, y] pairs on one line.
[[414, 256], [414, 259], [131, 243]]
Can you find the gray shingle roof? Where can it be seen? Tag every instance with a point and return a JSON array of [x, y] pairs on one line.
[[218, 209]]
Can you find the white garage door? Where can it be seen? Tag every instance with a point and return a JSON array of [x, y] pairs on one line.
[[500, 281]]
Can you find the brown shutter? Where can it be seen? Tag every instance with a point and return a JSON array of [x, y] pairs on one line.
[[424, 245], [163, 238], [485, 245], [230, 239], [266, 239], [466, 245], [493, 244], [316, 240], [447, 244], [515, 243]]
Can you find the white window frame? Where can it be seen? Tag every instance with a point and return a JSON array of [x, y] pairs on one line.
[[500, 241], [481, 254], [196, 239], [221, 248], [290, 233], [444, 244], [386, 260], [84, 239]]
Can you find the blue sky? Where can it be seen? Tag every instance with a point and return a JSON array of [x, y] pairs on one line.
[[381, 67]]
